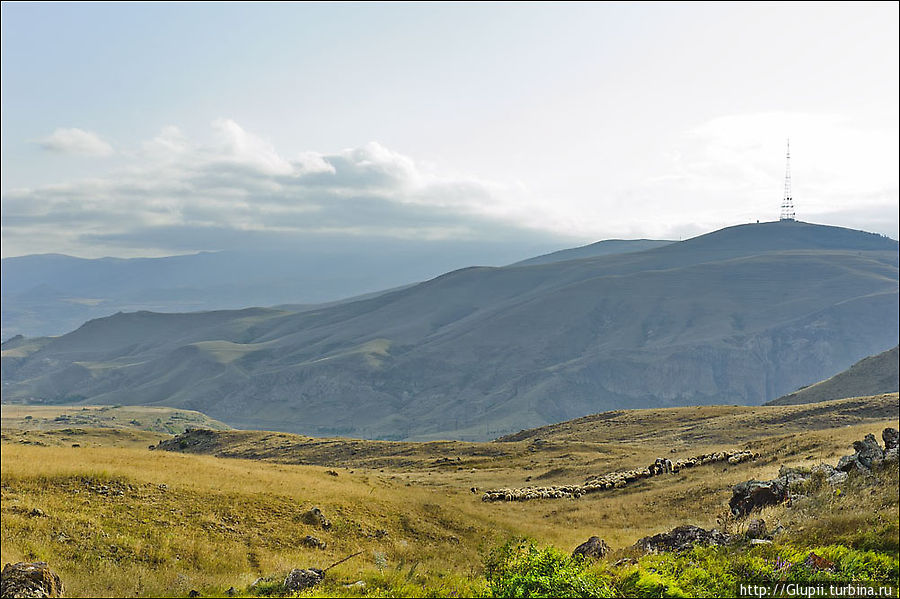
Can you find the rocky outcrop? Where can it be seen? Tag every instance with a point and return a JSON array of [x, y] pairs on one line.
[[682, 538], [595, 547], [868, 453], [29, 579], [299, 580], [754, 494]]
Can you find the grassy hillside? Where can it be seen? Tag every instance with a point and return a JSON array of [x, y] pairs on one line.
[[875, 374], [737, 316], [127, 521]]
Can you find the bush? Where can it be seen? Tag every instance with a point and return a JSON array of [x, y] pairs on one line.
[[520, 569]]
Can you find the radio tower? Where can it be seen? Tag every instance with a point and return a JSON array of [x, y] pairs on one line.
[[787, 204]]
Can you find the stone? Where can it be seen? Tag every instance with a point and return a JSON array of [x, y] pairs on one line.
[[837, 478], [760, 542], [891, 438], [682, 538], [868, 451], [754, 494], [756, 529], [299, 579], [311, 541], [315, 517], [29, 579], [594, 547]]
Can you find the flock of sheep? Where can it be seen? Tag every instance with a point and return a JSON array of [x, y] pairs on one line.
[[615, 480]]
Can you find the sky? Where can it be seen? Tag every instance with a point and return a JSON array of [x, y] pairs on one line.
[[158, 129]]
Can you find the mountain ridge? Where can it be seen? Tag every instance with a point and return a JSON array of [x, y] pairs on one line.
[[479, 352]]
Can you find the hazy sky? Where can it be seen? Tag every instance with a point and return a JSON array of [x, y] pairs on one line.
[[151, 129]]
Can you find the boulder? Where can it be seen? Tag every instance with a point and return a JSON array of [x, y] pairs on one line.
[[868, 451], [682, 538], [754, 494], [298, 580], [315, 517], [29, 579], [313, 542], [594, 547], [891, 438]]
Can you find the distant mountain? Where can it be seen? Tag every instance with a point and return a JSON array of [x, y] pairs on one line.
[[601, 248], [870, 376], [738, 316], [52, 294]]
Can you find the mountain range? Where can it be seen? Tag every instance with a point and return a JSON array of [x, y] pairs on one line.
[[742, 315], [52, 294]]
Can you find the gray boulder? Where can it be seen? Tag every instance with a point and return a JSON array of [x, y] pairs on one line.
[[594, 547], [313, 542], [29, 579], [868, 451], [298, 580], [682, 538]]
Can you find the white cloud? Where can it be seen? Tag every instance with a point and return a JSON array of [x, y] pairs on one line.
[[77, 142], [179, 192]]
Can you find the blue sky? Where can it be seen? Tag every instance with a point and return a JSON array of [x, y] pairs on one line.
[[150, 129]]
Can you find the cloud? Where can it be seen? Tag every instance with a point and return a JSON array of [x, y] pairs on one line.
[[77, 142], [181, 195]]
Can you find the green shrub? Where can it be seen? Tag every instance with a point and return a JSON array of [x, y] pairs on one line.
[[520, 569]]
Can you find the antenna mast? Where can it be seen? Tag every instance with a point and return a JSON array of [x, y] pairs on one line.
[[787, 204]]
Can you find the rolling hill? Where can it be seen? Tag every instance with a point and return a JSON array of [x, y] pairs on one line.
[[737, 316], [869, 376]]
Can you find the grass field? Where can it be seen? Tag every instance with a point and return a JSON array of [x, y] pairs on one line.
[[125, 521]]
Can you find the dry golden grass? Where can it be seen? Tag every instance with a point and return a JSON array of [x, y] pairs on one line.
[[225, 522]]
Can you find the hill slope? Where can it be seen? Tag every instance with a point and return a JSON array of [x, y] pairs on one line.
[[601, 248], [875, 374], [741, 315]]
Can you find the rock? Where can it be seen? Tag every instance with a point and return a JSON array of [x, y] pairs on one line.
[[868, 454], [29, 579], [594, 547], [837, 478], [625, 561], [760, 542], [789, 476], [331, 473], [315, 517], [754, 494], [299, 580], [311, 541], [849, 463], [756, 529], [682, 538], [868, 451], [891, 438], [891, 454]]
